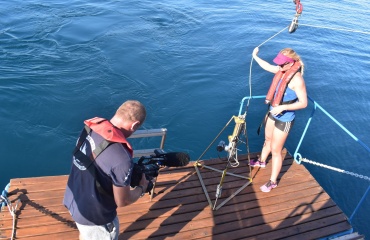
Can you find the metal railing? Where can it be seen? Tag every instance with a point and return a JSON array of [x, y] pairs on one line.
[[161, 132], [297, 156]]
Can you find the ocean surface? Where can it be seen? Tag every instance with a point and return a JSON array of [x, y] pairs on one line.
[[190, 63]]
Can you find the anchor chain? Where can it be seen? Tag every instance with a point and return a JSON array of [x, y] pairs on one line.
[[336, 169]]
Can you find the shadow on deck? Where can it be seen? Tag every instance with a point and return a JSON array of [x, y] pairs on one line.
[[297, 209]]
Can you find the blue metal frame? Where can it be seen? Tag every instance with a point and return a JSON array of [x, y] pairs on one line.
[[298, 157], [247, 98], [4, 194], [359, 204]]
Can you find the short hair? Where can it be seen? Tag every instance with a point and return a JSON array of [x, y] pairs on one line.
[[132, 110]]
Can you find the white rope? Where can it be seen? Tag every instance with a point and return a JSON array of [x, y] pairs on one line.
[[235, 158], [12, 211], [332, 28], [250, 68], [336, 169], [272, 36]]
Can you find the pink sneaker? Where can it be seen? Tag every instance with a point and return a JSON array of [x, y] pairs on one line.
[[268, 186], [257, 163]]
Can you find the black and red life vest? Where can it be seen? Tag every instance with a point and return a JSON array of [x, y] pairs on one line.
[[285, 78], [86, 160], [110, 133]]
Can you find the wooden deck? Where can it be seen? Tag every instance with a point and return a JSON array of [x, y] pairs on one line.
[[297, 209]]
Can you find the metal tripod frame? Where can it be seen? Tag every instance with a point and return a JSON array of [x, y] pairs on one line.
[[233, 139]]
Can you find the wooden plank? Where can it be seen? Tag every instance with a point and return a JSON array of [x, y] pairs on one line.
[[298, 208], [17, 182], [247, 210], [237, 229], [224, 222], [70, 235]]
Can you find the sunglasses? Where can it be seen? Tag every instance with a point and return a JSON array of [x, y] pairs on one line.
[[282, 65]]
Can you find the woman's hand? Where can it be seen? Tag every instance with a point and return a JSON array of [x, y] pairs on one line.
[[255, 52], [277, 110], [263, 64]]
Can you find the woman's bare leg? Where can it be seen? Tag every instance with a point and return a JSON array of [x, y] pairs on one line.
[[266, 149], [277, 143]]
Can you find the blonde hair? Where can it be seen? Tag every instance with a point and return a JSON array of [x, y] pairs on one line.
[[132, 110], [292, 54]]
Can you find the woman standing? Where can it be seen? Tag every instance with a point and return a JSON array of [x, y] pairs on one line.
[[287, 94]]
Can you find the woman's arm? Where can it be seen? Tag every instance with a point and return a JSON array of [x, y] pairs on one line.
[[263, 64], [299, 87]]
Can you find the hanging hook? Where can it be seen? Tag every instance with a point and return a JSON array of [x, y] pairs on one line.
[[294, 24]]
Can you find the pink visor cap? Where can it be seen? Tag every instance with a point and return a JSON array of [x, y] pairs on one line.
[[281, 59]]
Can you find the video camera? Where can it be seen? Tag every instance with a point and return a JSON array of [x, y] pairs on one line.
[[150, 165]]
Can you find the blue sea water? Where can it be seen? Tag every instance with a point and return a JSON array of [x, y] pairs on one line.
[[189, 62]]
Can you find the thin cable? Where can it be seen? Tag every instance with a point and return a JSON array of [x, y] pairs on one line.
[[272, 36], [332, 28], [250, 68]]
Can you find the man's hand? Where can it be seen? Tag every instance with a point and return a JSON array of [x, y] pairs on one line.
[[144, 182]]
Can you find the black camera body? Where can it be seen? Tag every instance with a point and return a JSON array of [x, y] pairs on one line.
[[150, 165], [149, 169]]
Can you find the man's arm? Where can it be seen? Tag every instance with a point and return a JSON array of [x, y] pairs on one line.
[[124, 196]]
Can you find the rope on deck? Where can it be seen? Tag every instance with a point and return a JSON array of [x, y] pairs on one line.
[[12, 210], [336, 169]]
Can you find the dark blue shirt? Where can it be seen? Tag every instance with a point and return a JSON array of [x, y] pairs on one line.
[[88, 205]]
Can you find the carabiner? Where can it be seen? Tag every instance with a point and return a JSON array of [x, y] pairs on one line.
[[298, 6]]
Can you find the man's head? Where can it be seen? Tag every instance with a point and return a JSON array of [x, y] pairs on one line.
[[129, 117]]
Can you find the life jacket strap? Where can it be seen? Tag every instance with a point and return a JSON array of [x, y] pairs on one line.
[[268, 112], [264, 119], [289, 102], [89, 161]]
